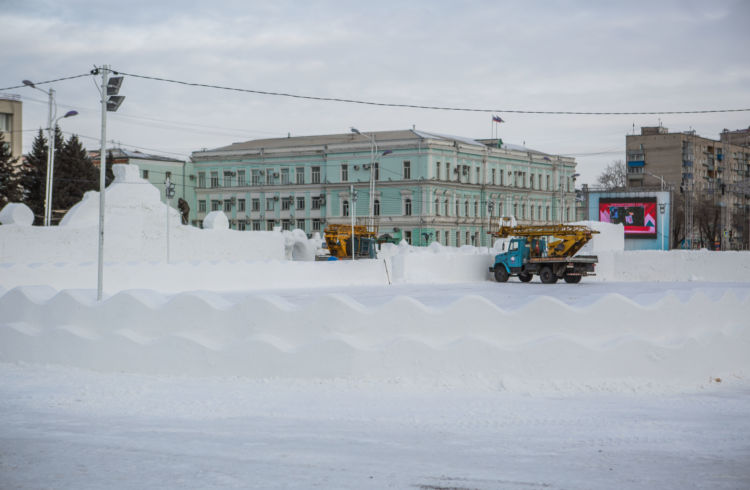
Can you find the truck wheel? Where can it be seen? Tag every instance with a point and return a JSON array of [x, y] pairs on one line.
[[547, 276], [525, 276], [572, 279], [501, 275]]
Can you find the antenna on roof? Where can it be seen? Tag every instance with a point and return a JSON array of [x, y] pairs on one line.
[[413, 127]]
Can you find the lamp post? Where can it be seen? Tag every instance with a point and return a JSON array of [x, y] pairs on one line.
[[51, 124]]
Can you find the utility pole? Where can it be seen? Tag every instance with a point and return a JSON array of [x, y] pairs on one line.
[[110, 102]]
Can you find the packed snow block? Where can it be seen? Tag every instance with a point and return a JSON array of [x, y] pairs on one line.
[[216, 220], [16, 214], [418, 268]]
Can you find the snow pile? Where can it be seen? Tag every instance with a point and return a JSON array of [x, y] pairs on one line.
[[135, 230]]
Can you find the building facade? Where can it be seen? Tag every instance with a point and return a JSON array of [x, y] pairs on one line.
[[704, 171], [428, 187], [11, 123]]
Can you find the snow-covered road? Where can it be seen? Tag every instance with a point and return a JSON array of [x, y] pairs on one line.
[[66, 428]]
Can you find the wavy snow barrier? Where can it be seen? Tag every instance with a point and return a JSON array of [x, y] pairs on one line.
[[621, 344]]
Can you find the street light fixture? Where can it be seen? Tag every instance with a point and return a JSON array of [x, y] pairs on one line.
[[51, 125], [373, 150]]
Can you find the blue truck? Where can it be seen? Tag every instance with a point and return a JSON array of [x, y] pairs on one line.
[[546, 251]]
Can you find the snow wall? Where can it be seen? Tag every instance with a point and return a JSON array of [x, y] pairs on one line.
[[613, 344]]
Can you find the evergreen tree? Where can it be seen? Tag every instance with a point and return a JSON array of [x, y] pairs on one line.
[[74, 175], [34, 173], [10, 179]]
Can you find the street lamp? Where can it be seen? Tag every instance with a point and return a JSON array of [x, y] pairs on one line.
[[52, 124], [373, 150]]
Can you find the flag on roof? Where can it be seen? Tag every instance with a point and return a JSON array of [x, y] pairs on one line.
[[497, 119]]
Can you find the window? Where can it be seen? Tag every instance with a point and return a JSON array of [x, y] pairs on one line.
[[458, 238], [301, 224], [145, 174], [256, 177], [476, 208], [344, 172], [467, 238], [315, 175], [437, 171], [407, 207], [494, 174], [299, 173], [269, 225], [241, 205], [255, 204], [458, 209], [214, 179], [227, 205], [241, 178], [548, 182], [228, 178], [447, 171], [215, 205], [437, 208], [437, 236], [376, 207], [316, 201], [479, 180], [345, 208], [285, 176], [202, 180], [377, 170], [466, 208], [241, 225], [256, 225], [286, 203], [269, 204], [202, 206], [300, 203], [407, 237], [5, 122], [531, 181], [316, 225], [407, 170], [447, 208], [286, 225], [269, 176]]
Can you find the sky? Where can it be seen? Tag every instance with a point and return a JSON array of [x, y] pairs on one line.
[[493, 57]]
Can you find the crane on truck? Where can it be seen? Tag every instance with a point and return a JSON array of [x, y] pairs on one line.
[[548, 251]]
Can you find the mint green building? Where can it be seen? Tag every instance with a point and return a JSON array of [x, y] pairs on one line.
[[428, 186]]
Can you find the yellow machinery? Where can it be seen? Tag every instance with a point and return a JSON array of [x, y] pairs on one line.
[[339, 241]]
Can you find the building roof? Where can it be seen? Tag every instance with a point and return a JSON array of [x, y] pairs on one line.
[[120, 153], [379, 136]]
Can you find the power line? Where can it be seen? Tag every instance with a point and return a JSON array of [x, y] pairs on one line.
[[48, 81], [415, 106]]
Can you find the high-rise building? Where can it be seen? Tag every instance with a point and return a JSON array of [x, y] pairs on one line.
[[711, 176]]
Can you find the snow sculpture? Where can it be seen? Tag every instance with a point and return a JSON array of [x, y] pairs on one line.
[[216, 220], [16, 214]]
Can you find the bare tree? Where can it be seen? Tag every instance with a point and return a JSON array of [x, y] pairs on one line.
[[615, 176]]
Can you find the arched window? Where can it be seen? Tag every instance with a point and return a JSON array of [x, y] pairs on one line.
[[407, 207], [376, 207], [437, 208], [345, 210]]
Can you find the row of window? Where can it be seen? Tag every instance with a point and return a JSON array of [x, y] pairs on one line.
[[271, 176], [316, 202]]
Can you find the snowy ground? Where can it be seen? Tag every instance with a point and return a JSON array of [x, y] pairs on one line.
[[230, 367], [685, 426]]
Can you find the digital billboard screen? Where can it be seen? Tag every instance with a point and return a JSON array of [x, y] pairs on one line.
[[637, 214]]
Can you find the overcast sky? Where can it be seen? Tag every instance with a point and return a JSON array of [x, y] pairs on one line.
[[534, 56]]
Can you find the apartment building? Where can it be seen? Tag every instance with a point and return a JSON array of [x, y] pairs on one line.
[[703, 170], [430, 187]]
